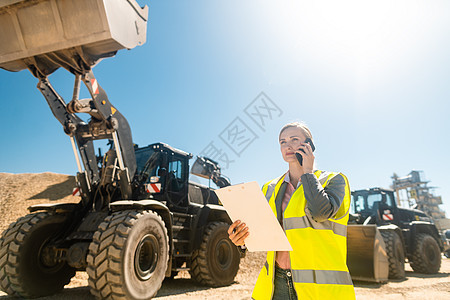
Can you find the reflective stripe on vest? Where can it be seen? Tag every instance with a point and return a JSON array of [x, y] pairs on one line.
[[318, 259], [304, 222], [322, 277], [271, 187]]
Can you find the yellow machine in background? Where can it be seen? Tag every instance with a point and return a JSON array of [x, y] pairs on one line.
[[367, 259], [381, 236]]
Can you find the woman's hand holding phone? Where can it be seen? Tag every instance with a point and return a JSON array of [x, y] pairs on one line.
[[305, 155]]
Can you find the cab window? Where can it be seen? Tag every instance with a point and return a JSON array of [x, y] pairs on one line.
[[372, 199], [176, 168], [176, 175]]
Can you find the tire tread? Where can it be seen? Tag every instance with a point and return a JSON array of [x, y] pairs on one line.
[[389, 239], [10, 256], [418, 263], [199, 270], [104, 261]]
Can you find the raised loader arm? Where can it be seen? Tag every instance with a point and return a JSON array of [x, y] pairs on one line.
[[76, 37], [106, 123]]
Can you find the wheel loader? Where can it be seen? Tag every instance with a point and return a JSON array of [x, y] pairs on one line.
[[140, 220], [381, 236]]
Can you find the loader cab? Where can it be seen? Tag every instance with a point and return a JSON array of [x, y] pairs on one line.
[[162, 174], [374, 206]]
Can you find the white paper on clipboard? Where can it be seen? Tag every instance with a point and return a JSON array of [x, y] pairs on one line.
[[246, 202]]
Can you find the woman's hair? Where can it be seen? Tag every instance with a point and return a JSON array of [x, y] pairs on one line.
[[300, 125]]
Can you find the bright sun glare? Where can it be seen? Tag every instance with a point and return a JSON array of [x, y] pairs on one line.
[[366, 38]]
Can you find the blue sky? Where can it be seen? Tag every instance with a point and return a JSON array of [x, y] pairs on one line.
[[369, 78]]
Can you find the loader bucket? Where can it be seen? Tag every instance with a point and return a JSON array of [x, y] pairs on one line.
[[366, 253], [48, 34]]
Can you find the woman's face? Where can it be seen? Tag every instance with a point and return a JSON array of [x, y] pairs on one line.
[[290, 140]]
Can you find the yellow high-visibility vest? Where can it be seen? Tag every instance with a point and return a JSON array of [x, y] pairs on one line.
[[319, 256]]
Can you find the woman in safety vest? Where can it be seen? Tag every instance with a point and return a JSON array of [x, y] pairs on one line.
[[312, 207]]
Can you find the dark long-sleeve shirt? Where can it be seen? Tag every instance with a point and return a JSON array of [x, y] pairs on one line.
[[323, 203]]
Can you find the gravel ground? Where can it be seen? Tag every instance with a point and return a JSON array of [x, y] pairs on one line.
[[19, 191]]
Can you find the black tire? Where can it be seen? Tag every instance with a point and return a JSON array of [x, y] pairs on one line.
[[5, 285], [128, 256], [216, 262], [426, 257], [25, 270], [396, 254]]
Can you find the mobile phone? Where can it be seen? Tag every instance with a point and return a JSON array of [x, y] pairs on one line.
[[299, 157]]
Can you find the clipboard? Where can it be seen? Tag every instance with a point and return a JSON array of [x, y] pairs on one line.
[[246, 202]]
